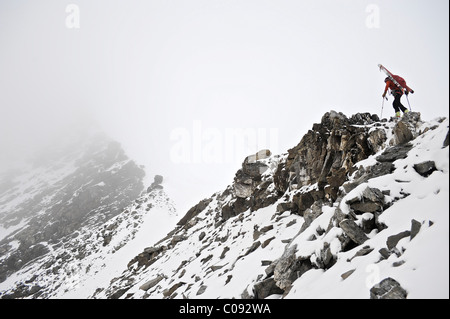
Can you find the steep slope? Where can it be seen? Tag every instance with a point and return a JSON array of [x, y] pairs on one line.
[[95, 254], [358, 209], [45, 204]]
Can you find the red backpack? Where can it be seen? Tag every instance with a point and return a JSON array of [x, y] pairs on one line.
[[400, 81]]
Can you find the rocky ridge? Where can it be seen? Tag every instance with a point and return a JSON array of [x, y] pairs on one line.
[[323, 206], [325, 219]]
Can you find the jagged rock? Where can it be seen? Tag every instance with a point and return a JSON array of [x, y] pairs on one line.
[[402, 134], [328, 152], [176, 239], [447, 140], [171, 290], [194, 211], [385, 253], [353, 231], [371, 200], [347, 274], [253, 247], [157, 181], [234, 208], [425, 168], [388, 289], [311, 214], [285, 271], [363, 174], [283, 207], [406, 129], [393, 240], [394, 153], [201, 290], [249, 177], [376, 139], [362, 252], [325, 259], [267, 242], [288, 268], [151, 283], [415, 228], [266, 288]]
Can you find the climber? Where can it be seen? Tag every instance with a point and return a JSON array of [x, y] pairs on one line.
[[397, 92]]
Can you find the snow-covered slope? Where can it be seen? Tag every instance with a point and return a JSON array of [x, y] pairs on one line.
[[96, 254], [43, 204], [383, 232], [358, 209]]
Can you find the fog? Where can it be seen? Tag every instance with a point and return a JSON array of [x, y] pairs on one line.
[[189, 88]]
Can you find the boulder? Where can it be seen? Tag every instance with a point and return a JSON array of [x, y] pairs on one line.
[[393, 240], [266, 288], [371, 200], [388, 289], [415, 228], [288, 268], [151, 283], [402, 133], [425, 169], [157, 181], [353, 231], [394, 153], [194, 211]]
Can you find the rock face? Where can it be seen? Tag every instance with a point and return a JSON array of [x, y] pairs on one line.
[[326, 155]]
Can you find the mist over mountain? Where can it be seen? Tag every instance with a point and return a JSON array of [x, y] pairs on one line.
[[47, 199], [357, 209]]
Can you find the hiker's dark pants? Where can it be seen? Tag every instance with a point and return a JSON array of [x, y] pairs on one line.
[[397, 104]]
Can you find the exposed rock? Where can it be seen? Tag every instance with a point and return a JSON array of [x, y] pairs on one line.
[[151, 283], [415, 228], [194, 211], [393, 240], [447, 140], [362, 252], [425, 168], [368, 222], [385, 253], [201, 290], [266, 288], [249, 177], [371, 200], [402, 134], [171, 290], [363, 174], [325, 259], [388, 289], [288, 268], [394, 153], [353, 231], [376, 139], [157, 181], [327, 153], [347, 274]]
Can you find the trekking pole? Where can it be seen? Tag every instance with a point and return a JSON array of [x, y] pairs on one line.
[[408, 102], [382, 106]]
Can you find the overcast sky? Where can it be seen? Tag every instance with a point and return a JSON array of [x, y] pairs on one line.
[[180, 82]]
